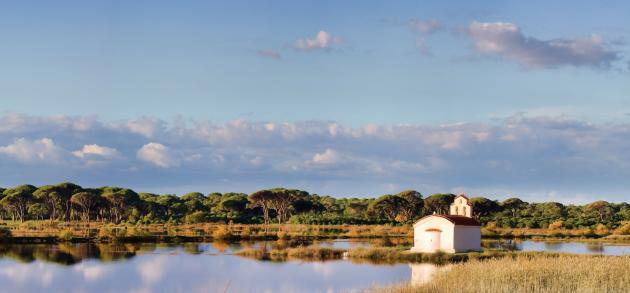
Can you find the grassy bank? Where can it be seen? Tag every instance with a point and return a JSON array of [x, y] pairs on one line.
[[48, 232], [400, 255], [51, 232], [376, 255], [304, 253], [540, 233], [530, 273]]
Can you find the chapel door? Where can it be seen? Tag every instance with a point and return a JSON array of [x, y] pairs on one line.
[[433, 240]]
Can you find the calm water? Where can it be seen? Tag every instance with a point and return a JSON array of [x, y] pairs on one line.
[[606, 248], [211, 267], [181, 268]]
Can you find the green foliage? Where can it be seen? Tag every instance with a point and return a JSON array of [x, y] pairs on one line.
[[68, 201], [5, 233], [388, 206], [196, 217], [438, 203], [65, 235]]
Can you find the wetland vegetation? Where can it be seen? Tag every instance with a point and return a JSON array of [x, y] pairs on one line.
[[69, 212], [67, 224], [528, 273]]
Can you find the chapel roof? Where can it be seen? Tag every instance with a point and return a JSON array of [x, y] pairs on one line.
[[457, 220]]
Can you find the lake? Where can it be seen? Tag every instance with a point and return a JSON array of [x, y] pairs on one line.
[[211, 267], [579, 247], [199, 267]]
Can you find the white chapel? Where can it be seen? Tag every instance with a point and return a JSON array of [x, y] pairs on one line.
[[456, 232]]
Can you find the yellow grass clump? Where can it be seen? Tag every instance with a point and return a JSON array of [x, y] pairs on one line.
[[306, 253], [222, 233], [65, 235], [623, 230], [534, 273], [556, 225]]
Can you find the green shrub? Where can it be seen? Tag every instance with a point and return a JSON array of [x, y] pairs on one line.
[[196, 217], [65, 235], [5, 233], [110, 233]]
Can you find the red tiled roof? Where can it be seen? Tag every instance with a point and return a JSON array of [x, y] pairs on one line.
[[457, 220]]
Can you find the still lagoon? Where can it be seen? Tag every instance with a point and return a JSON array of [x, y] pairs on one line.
[[212, 267]]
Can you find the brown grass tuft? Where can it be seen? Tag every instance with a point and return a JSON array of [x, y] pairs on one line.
[[530, 273]]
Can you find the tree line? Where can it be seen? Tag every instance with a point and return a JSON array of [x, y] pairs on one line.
[[71, 202]]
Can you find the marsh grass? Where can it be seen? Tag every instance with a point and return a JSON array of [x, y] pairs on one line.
[[392, 255], [554, 232], [222, 233], [375, 255], [92, 230], [304, 253], [65, 235], [530, 273], [167, 231]]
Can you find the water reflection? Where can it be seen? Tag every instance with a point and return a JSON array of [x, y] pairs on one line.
[[606, 248], [73, 253], [424, 272], [190, 267], [69, 254], [552, 246], [211, 267], [595, 247]]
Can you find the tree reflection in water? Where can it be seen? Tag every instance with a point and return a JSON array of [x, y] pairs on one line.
[[73, 253], [595, 247], [68, 253]]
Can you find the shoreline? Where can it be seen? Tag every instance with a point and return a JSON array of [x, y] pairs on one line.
[[32, 232]]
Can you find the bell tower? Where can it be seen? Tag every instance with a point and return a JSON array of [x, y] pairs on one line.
[[461, 206]]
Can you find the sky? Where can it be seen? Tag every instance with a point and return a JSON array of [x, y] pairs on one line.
[[352, 98]]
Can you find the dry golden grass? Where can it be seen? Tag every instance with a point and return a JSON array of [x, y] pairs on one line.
[[304, 253], [534, 273], [554, 231], [83, 229]]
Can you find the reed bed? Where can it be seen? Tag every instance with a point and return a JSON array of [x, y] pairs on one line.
[[495, 232], [306, 253], [530, 273], [400, 255], [97, 230]]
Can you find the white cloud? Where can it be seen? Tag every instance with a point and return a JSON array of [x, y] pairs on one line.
[[158, 155], [507, 40], [268, 53], [425, 26], [550, 152], [91, 150], [322, 41], [26, 150], [152, 270], [91, 272], [422, 46], [145, 126], [329, 156], [41, 273]]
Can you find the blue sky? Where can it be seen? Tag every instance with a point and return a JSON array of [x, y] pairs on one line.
[[141, 70]]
